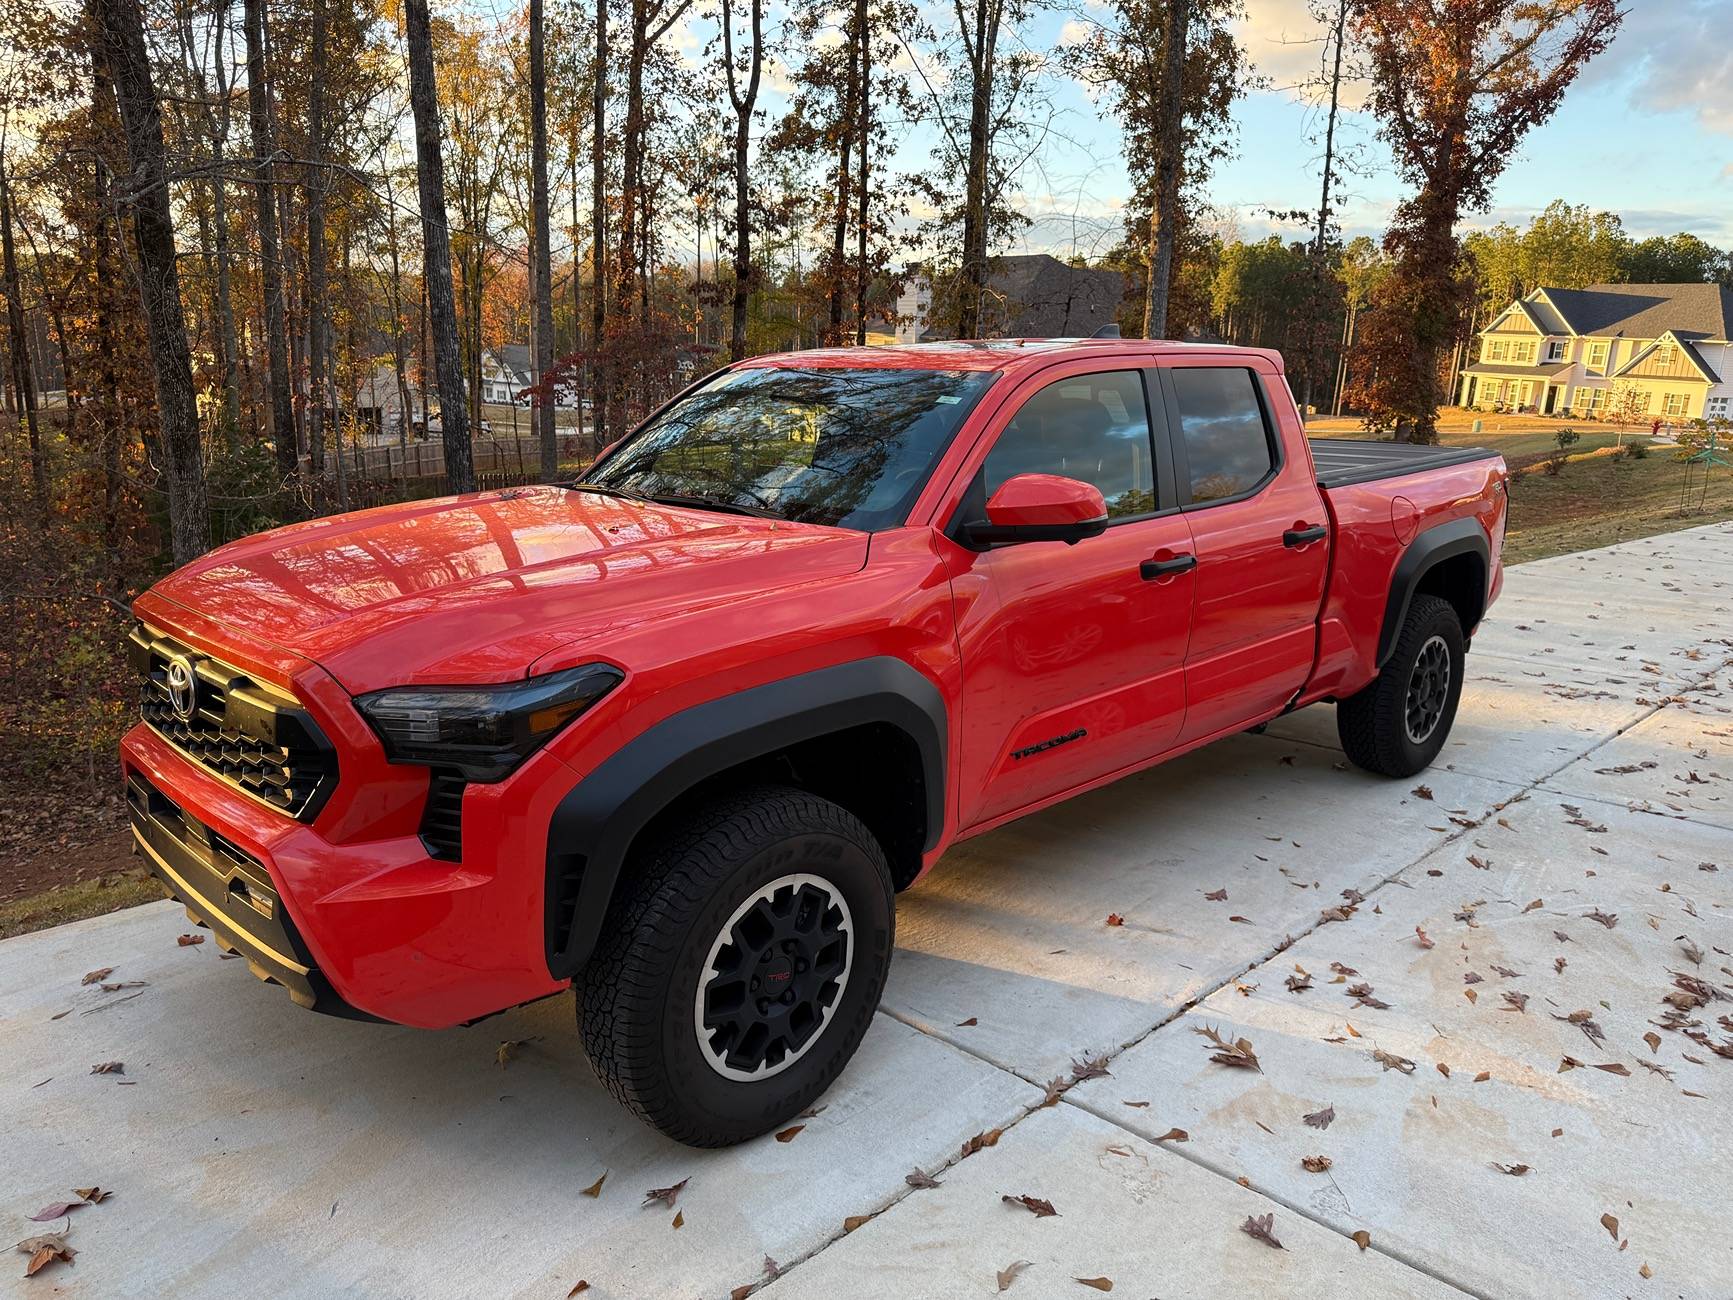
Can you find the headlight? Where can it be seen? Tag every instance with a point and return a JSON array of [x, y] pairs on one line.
[[482, 731]]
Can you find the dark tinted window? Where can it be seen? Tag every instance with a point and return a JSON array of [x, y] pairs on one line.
[[1094, 428], [1226, 443], [847, 447]]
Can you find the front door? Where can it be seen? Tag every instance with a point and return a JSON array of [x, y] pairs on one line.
[[1261, 536], [1073, 656]]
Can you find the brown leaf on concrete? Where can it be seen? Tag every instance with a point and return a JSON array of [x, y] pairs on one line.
[[789, 1134], [1483, 1076], [1444, 1069], [1569, 1063], [97, 976], [1136, 1105], [918, 1177], [509, 1048], [1337, 968], [59, 1210], [1299, 983], [1616, 1067], [1040, 1207], [1537, 903], [1217, 895], [1517, 1001], [95, 1195], [1320, 1118], [1262, 1228], [741, 1292], [1390, 1061], [1608, 919], [1471, 995], [1316, 1164], [44, 1250], [1238, 1054], [1362, 1238], [595, 1189], [969, 1023], [108, 1067], [666, 1195], [1425, 940], [1008, 1274], [1473, 977], [1097, 1283], [1611, 1225], [679, 1219], [578, 1289], [854, 1221], [190, 940], [1475, 861], [1645, 1272], [980, 1141], [1090, 1067], [1515, 1171], [1114, 918], [1056, 1088], [1506, 972], [1175, 1135], [1558, 965], [1653, 1040], [1422, 792]]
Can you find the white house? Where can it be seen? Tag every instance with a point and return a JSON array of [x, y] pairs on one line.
[[1630, 351]]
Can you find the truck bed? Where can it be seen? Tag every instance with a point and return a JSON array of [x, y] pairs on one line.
[[1342, 461]]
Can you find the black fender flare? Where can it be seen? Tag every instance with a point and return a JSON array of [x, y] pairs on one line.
[[594, 824], [1429, 547]]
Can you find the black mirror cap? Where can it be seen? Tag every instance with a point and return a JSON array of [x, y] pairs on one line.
[[983, 534]]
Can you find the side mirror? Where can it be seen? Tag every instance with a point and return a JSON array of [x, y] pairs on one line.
[[1041, 508]]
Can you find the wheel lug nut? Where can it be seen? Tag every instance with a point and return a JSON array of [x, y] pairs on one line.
[[763, 1006], [754, 985], [788, 997]]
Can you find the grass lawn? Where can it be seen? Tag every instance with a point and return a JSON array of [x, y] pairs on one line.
[[75, 902], [1520, 439], [1597, 500]]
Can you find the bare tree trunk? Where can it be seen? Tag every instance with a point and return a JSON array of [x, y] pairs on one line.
[[1164, 220], [145, 191], [743, 105], [981, 47], [848, 111], [317, 335], [1314, 313], [863, 33], [23, 379], [599, 228], [436, 247], [543, 279], [270, 259]]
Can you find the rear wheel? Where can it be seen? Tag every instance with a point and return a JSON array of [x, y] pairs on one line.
[[1397, 725], [741, 965]]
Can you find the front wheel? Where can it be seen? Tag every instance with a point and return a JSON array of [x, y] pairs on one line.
[[1397, 725], [740, 965]]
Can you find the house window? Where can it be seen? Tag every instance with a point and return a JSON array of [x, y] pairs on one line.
[[1497, 350], [1677, 403], [1588, 400], [1522, 353], [1555, 350], [1717, 407], [1665, 354], [1597, 358]]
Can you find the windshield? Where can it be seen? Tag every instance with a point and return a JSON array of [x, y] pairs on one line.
[[825, 446]]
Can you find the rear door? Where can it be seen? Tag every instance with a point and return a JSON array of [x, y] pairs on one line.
[[1073, 656], [1260, 533]]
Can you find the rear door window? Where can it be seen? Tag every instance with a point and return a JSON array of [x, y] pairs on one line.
[[1228, 447]]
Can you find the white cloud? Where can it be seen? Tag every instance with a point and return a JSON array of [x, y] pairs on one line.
[[1677, 58]]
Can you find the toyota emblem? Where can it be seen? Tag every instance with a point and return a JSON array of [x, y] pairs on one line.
[[182, 690]]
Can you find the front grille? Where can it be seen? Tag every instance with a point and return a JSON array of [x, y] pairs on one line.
[[245, 731], [442, 819]]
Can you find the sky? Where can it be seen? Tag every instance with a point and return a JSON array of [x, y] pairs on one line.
[[1646, 132]]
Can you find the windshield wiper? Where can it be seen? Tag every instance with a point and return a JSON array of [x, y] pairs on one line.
[[625, 494], [713, 503]]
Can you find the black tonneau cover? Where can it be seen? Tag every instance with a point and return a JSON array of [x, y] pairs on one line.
[[1341, 461]]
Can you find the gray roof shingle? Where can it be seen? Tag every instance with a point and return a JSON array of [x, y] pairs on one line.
[[1646, 311]]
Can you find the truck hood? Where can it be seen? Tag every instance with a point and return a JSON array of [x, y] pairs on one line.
[[479, 588]]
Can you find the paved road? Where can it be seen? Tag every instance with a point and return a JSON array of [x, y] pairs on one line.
[[252, 1146]]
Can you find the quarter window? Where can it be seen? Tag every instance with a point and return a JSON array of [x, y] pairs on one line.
[[1094, 428], [1227, 442]]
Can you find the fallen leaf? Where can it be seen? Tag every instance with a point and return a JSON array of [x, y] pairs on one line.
[[1653, 1040], [1444, 1069], [43, 1251], [918, 1177], [1471, 995], [1238, 1054], [1362, 1239], [1175, 1135], [1483, 1076], [190, 940], [581, 1287], [97, 976], [1481, 863], [1299, 983], [1616, 1067], [1136, 1105], [59, 1210], [108, 1067], [1099, 1283], [1321, 1118], [1038, 1206], [965, 1024], [666, 1195], [595, 1189], [1008, 1274], [1611, 1225], [1114, 918], [1608, 919], [1262, 1228], [1422, 792], [1558, 965], [980, 1140], [1517, 1001], [1217, 896], [1473, 977], [741, 1292], [1532, 906], [1242, 920], [679, 1218], [1316, 1164], [788, 1134], [1515, 1171], [854, 1221], [1426, 940], [1091, 1067], [1645, 1272], [509, 1048], [95, 1195], [1390, 1061]]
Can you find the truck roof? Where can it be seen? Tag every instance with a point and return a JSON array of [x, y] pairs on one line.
[[986, 354]]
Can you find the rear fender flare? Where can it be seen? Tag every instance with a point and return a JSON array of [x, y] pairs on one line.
[[1429, 548], [593, 826]]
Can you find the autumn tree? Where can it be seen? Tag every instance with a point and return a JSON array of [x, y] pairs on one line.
[[743, 99], [1455, 88]]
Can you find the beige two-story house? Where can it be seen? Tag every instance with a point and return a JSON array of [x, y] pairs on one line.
[[1626, 351]]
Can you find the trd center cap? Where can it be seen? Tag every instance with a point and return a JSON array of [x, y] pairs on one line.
[[777, 977]]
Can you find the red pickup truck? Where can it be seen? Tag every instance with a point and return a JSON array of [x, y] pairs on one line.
[[676, 733]]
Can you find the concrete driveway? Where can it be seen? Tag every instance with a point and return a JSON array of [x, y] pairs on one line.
[[1516, 1109]]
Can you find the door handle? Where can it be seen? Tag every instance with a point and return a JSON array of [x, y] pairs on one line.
[[1304, 536], [1153, 569]]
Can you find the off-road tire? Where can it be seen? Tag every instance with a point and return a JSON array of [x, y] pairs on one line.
[[1374, 724], [635, 996]]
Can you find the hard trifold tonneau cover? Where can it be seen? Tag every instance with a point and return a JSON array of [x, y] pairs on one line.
[[1342, 461]]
